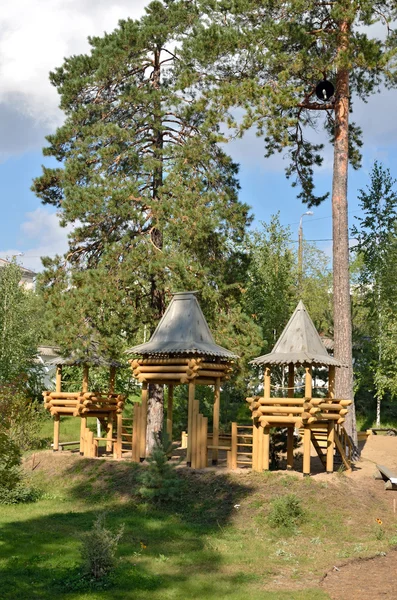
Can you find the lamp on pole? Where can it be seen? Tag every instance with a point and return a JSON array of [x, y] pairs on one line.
[[308, 213]]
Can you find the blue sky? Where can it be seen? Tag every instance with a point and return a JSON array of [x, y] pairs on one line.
[[37, 34]]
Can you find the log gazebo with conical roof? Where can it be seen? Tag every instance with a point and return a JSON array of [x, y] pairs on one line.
[[321, 418], [182, 350], [106, 406]]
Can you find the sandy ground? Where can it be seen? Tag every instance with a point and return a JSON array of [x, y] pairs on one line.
[[374, 578]]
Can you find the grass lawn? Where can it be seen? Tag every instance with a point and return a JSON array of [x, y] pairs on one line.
[[214, 542]]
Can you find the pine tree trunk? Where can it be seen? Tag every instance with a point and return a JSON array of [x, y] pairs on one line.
[[155, 408], [341, 279], [155, 415]]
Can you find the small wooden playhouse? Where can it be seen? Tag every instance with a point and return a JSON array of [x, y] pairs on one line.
[[106, 405], [319, 419], [181, 351]]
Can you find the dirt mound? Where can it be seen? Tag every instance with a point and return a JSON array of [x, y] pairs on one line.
[[363, 578]]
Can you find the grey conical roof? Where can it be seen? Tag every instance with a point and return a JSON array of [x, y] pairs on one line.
[[182, 330], [299, 343]]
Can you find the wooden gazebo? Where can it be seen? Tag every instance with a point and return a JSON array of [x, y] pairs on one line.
[[321, 419], [181, 351], [107, 406]]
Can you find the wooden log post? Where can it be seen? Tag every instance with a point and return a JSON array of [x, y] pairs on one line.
[[169, 411], [330, 446], [290, 448], [331, 382], [83, 427], [190, 423], [234, 447], [255, 429], [58, 379], [307, 430], [215, 421], [204, 437], [143, 423], [119, 439], [265, 448], [194, 436], [109, 433], [57, 421], [135, 433], [306, 450]]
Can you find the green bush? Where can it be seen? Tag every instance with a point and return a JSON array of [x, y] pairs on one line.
[[99, 548], [286, 512], [159, 480]]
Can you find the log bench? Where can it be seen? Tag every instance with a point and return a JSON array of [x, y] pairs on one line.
[[388, 476]]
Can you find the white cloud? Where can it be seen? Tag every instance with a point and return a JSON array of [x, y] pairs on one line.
[[35, 36], [43, 236]]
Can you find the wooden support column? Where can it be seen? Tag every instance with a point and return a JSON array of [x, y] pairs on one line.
[[265, 448], [266, 383], [85, 378], [290, 434], [58, 379], [190, 423], [194, 436], [234, 446], [143, 423], [83, 426], [306, 450], [112, 379], [57, 421], [169, 411], [109, 433], [215, 421], [330, 446], [307, 430], [119, 442], [290, 448], [331, 382]]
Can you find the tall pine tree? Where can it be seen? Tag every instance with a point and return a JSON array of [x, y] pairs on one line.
[[267, 58], [152, 196]]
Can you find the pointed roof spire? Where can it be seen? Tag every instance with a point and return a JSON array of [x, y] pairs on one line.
[[182, 330], [299, 343]]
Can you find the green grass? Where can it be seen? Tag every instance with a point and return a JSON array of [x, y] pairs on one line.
[[214, 542]]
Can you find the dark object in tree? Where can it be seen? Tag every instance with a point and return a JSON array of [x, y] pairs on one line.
[[324, 90]]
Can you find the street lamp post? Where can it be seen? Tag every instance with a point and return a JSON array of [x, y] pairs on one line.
[[308, 213]]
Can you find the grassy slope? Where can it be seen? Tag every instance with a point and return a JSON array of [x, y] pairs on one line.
[[213, 543]]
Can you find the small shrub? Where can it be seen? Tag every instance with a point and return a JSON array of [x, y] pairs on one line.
[[286, 512], [99, 549], [159, 480]]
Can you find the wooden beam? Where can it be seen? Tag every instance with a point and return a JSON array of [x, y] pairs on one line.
[[291, 380], [56, 432], [109, 433], [83, 427], [58, 379], [266, 383], [143, 423], [234, 447], [308, 382], [330, 446], [331, 381], [306, 450], [170, 401], [290, 447], [266, 449], [215, 421], [190, 423]]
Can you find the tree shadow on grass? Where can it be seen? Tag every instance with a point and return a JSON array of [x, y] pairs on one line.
[[165, 551]]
